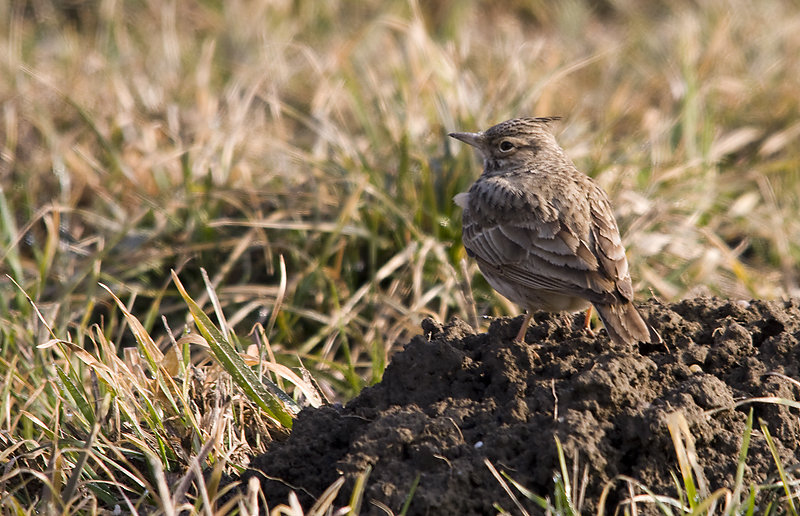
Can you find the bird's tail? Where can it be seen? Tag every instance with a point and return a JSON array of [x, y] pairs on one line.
[[625, 324]]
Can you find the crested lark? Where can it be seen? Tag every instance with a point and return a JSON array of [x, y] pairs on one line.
[[543, 233]]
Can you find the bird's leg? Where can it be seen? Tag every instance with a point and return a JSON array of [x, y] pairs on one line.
[[524, 328], [520, 338], [587, 321]]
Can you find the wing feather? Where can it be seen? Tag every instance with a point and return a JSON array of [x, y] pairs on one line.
[[524, 238]]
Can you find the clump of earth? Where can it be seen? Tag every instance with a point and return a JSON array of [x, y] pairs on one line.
[[455, 397]]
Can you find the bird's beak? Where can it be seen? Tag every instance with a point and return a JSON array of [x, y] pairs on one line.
[[474, 139]]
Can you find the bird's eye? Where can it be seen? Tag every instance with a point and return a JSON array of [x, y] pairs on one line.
[[506, 146]]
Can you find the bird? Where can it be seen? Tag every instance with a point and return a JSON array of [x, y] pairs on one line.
[[543, 233]]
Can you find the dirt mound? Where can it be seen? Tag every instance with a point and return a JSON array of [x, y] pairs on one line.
[[454, 397]]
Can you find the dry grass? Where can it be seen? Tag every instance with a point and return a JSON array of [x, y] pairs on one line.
[[139, 137]]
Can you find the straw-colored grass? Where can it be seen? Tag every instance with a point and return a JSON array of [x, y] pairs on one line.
[[297, 152]]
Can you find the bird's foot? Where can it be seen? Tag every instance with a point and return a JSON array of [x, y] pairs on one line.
[[532, 348]]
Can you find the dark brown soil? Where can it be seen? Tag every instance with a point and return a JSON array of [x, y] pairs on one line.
[[454, 397]]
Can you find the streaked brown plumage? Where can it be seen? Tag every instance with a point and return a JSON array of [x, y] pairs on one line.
[[543, 233]]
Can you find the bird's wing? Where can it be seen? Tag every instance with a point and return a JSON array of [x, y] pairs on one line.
[[608, 246], [528, 241]]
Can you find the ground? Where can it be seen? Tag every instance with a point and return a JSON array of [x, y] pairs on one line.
[[454, 397]]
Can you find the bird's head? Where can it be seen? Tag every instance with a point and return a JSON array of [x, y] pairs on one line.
[[513, 143]]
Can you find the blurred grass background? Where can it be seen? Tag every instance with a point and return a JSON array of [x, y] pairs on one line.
[[139, 137]]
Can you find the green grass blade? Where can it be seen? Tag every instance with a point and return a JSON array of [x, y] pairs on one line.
[[781, 471], [563, 487], [410, 496], [740, 465], [358, 492], [78, 395], [527, 493], [265, 393], [678, 430], [751, 500]]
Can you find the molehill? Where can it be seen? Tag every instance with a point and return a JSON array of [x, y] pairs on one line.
[[454, 397]]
